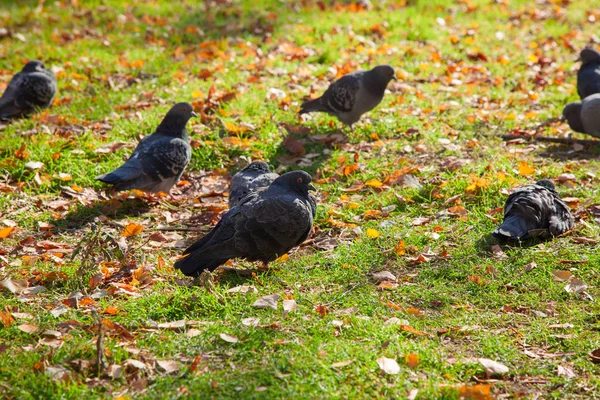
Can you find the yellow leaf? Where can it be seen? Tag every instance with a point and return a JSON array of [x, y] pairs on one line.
[[374, 183], [132, 229], [197, 94], [373, 233], [283, 257], [525, 169], [400, 249], [5, 232]]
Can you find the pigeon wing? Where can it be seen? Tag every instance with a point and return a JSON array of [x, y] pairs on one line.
[[340, 97]]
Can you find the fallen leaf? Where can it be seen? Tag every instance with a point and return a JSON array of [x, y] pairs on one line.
[[525, 169], [576, 286], [193, 332], [289, 305], [168, 366], [341, 364], [476, 392], [14, 285], [131, 230], [561, 276], [412, 360], [269, 301], [567, 372], [250, 321], [5, 232], [388, 365], [373, 233], [229, 338], [243, 289], [383, 276], [28, 328], [493, 367]]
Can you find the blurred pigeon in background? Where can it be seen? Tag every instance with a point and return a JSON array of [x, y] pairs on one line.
[[534, 210], [263, 226], [159, 159], [584, 116], [353, 94], [255, 176], [588, 76], [29, 91]]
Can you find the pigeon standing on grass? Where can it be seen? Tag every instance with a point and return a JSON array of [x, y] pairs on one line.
[[261, 227], [159, 159], [534, 210], [588, 76], [255, 176], [584, 116], [29, 91], [352, 95]]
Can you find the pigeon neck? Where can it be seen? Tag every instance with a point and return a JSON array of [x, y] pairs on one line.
[[376, 84], [171, 127]]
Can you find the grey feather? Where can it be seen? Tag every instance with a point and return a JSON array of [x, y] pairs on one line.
[[352, 95], [29, 91], [534, 208], [584, 116], [254, 177], [261, 227], [159, 159], [588, 76]]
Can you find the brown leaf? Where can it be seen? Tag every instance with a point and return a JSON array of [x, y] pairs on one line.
[[294, 146]]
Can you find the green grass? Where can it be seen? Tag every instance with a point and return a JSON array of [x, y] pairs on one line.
[[119, 69]]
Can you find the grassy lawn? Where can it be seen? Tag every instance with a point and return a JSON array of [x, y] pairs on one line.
[[468, 72]]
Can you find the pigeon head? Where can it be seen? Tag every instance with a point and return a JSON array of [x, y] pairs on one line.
[[588, 56], [258, 166], [34, 66], [572, 114], [173, 124], [377, 79], [547, 183], [296, 181]]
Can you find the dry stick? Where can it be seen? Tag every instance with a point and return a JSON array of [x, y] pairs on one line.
[[583, 142], [100, 364]]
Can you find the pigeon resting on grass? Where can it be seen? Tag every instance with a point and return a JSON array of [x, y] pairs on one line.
[[588, 76], [534, 210], [353, 94], [584, 116], [159, 159], [29, 91], [255, 176], [262, 226]]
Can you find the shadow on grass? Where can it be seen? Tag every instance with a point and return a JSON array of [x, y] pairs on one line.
[[567, 153], [84, 215], [485, 243]]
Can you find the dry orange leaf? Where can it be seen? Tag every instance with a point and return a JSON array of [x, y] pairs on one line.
[[476, 392], [400, 248], [525, 169], [350, 169], [410, 329], [110, 310], [6, 318], [5, 232], [374, 183], [412, 360], [132, 229], [414, 311], [321, 309]]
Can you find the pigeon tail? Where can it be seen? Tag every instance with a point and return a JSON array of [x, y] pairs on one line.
[[195, 263], [514, 227], [311, 106]]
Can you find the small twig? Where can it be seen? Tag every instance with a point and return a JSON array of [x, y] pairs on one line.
[[179, 230], [552, 140], [100, 364]]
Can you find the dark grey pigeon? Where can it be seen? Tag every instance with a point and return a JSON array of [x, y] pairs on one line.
[[588, 76], [353, 94], [29, 91], [261, 227], [584, 116], [534, 210], [159, 159], [254, 177]]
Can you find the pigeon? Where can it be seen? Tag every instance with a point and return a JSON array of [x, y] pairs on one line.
[[159, 159], [261, 227], [534, 210], [29, 91], [584, 116], [255, 176], [588, 76], [353, 94]]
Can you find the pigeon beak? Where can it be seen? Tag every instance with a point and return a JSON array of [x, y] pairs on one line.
[[194, 114], [562, 118], [394, 77], [311, 187]]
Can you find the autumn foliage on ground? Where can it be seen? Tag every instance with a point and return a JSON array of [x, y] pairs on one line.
[[400, 291]]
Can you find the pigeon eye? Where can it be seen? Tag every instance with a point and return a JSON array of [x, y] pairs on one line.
[[299, 180]]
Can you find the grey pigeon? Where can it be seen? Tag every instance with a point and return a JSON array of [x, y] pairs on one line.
[[262, 226], [584, 116], [353, 94], [534, 210], [29, 91], [159, 159], [254, 177], [588, 76]]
